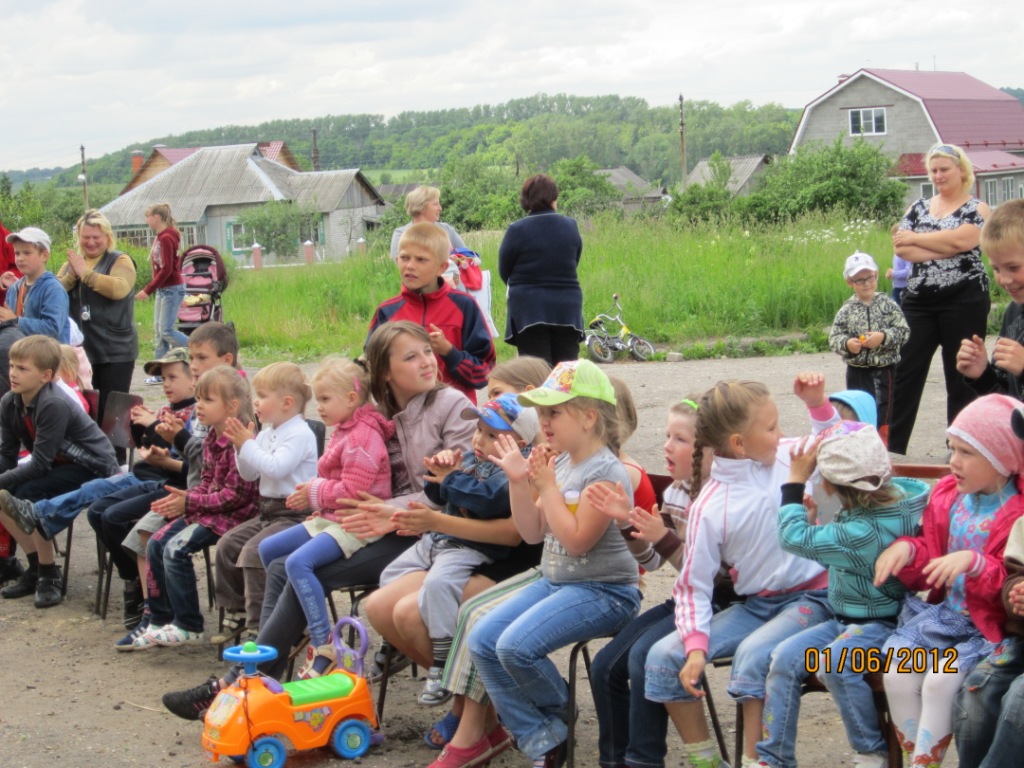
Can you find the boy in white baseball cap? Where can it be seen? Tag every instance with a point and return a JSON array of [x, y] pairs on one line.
[[37, 303]]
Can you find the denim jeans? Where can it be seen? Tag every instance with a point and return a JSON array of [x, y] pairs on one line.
[[113, 516], [166, 302], [988, 718], [631, 730], [305, 554], [510, 648], [749, 632], [56, 514], [176, 597], [788, 671]]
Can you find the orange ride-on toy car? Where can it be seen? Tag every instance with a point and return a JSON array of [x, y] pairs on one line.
[[256, 719]]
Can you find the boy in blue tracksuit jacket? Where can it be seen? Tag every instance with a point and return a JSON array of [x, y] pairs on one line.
[[37, 303]]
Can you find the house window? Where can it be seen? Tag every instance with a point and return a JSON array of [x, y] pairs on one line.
[[927, 190], [139, 238], [991, 191], [867, 122], [1007, 190], [238, 235], [190, 235]]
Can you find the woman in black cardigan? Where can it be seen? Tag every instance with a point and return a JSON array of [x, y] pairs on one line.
[[537, 261]]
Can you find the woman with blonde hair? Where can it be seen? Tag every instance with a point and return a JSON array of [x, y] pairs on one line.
[[99, 280], [946, 299], [167, 286]]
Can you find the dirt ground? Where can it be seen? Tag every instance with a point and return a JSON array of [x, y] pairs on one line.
[[72, 700]]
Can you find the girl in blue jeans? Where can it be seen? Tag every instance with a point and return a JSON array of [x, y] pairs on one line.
[[876, 510], [632, 730], [167, 286], [733, 521], [589, 580]]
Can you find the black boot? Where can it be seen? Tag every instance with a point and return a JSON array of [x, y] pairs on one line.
[[10, 569], [23, 587]]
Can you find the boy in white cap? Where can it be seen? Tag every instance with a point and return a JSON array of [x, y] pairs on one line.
[[476, 488], [37, 303], [868, 332]]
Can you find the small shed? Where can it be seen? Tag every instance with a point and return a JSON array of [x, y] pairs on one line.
[[745, 170]]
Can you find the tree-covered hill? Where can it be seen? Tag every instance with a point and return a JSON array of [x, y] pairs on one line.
[[528, 134]]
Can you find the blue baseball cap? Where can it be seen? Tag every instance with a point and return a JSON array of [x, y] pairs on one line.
[[506, 414]]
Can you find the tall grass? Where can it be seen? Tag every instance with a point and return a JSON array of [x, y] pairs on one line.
[[677, 285]]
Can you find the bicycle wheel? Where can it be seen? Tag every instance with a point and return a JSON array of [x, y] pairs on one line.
[[600, 351], [640, 348]]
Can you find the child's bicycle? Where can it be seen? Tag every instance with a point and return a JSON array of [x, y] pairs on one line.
[[602, 344]]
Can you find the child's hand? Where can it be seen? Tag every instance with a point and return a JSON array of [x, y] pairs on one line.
[[442, 464], [169, 427], [803, 459], [416, 520], [1008, 355], [542, 468], [809, 386], [888, 274], [854, 345], [238, 434], [812, 509], [366, 516], [172, 505], [970, 358], [438, 342], [299, 498], [142, 416], [891, 561], [155, 456], [508, 456], [873, 340], [692, 672], [942, 571], [1017, 598], [649, 525], [609, 501]]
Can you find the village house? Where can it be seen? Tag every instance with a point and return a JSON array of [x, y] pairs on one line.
[[905, 112], [209, 187], [745, 171]]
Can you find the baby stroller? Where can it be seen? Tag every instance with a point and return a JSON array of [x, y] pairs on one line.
[[206, 279]]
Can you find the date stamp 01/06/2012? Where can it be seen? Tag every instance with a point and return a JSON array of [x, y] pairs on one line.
[[863, 661]]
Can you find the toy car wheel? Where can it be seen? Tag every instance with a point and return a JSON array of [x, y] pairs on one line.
[[599, 350], [268, 752], [640, 348], [351, 739]]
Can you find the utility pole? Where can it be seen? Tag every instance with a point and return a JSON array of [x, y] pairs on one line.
[[85, 181], [682, 142], [316, 153]]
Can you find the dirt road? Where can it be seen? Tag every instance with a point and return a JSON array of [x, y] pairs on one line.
[[71, 700]]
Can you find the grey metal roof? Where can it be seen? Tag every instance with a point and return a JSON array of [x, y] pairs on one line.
[[629, 183], [743, 168], [231, 175]]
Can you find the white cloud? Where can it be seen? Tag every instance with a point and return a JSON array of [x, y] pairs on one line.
[[111, 72]]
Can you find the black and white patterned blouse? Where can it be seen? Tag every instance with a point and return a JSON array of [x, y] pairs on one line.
[[945, 276]]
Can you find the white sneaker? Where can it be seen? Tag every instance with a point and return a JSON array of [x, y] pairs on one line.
[[147, 639], [870, 760], [172, 636], [155, 380]]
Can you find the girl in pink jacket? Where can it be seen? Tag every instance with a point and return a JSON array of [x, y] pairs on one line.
[[959, 557], [355, 461]]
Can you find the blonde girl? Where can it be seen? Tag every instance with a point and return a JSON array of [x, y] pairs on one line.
[[632, 730], [198, 516], [355, 461], [589, 580], [68, 375], [739, 422]]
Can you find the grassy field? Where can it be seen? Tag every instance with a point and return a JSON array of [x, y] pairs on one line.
[[695, 290]]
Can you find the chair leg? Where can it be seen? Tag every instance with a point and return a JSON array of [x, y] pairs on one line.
[[739, 733], [382, 694], [106, 566], [67, 560], [570, 737], [713, 714], [209, 576]]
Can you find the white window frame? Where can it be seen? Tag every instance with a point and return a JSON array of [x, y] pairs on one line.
[[1007, 189], [872, 113], [991, 191], [927, 190]]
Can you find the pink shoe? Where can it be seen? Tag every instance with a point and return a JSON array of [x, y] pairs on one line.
[[499, 740], [464, 757]]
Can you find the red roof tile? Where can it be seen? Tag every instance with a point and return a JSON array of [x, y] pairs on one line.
[[964, 110], [983, 161]]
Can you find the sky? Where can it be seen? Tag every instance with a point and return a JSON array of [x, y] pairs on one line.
[[108, 73]]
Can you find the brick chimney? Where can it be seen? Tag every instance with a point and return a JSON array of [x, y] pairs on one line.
[[137, 159]]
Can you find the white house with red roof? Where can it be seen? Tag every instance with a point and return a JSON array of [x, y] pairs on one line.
[[907, 112]]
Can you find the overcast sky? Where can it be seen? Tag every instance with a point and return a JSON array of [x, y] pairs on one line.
[[106, 73]]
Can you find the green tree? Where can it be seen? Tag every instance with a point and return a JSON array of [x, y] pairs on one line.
[[827, 177], [581, 191], [278, 226]]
